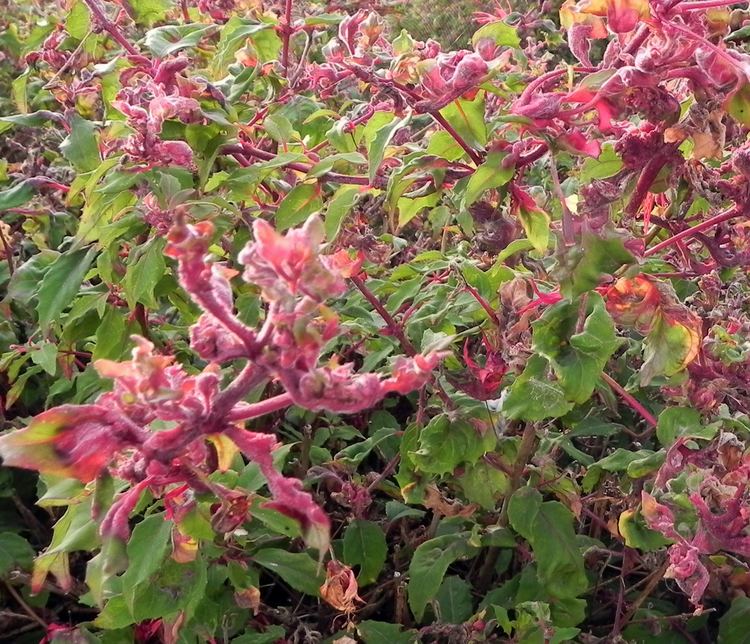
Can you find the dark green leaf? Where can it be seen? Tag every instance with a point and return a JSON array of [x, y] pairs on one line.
[[734, 625], [453, 600], [576, 357], [365, 546], [61, 283], [548, 527], [81, 146], [15, 552], [146, 267], [429, 564], [297, 569]]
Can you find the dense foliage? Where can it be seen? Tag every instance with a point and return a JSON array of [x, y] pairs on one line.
[[313, 331]]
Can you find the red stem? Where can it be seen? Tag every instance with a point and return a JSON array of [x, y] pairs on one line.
[[629, 400], [645, 181], [484, 304], [393, 326], [705, 225], [105, 23], [286, 35], [473, 154]]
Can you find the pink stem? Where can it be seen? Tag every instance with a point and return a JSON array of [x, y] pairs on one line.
[[248, 411], [629, 400], [393, 326], [483, 303], [473, 154], [105, 23], [705, 225], [286, 35], [706, 4]]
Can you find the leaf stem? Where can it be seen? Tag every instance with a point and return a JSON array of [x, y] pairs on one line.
[[630, 400], [701, 5], [733, 212], [248, 411], [105, 23], [393, 326], [473, 154], [286, 36], [24, 606]]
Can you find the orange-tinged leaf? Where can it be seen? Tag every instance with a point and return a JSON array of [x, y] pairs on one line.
[[226, 450], [248, 598], [68, 441], [184, 548]]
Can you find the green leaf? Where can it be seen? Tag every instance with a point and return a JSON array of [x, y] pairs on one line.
[[484, 484], [577, 358], [409, 208], [637, 534], [468, 118], [45, 355], [112, 335], [536, 226], [148, 12], [339, 207], [608, 164], [444, 444], [303, 200], [442, 144], [373, 632], [15, 552], [580, 268], [61, 283], [620, 459], [502, 34], [454, 602], [738, 104], [376, 149], [491, 174], [297, 569], [270, 635], [177, 588], [16, 196], [674, 422], [146, 267], [81, 146], [533, 396], [548, 527], [147, 550], [164, 41], [78, 21], [429, 564], [734, 625], [365, 546], [666, 349]]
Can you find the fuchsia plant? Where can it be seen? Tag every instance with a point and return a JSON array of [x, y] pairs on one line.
[[154, 429], [566, 220]]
